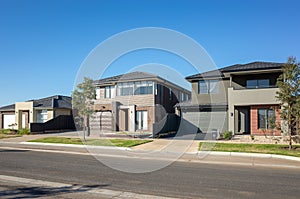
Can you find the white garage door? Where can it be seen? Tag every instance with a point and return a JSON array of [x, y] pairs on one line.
[[8, 119]]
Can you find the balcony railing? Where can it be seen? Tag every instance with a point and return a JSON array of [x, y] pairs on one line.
[[257, 87]]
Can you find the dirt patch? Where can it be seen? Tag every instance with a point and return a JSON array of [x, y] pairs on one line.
[[294, 148]]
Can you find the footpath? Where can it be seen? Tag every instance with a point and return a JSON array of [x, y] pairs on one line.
[[162, 149]]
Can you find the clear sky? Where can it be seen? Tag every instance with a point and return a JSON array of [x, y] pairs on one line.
[[43, 43]]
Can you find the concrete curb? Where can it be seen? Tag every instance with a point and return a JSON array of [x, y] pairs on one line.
[[254, 155], [199, 153], [73, 145]]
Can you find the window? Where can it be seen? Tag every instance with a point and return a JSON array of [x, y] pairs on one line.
[[42, 116], [208, 86], [181, 96], [170, 94], [265, 118], [143, 87], [141, 120], [135, 88], [109, 92], [125, 89], [258, 83], [187, 98], [97, 93]]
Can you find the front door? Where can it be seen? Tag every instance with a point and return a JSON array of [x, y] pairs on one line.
[[242, 120], [123, 120]]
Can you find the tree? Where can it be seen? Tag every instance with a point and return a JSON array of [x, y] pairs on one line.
[[82, 102], [289, 95]]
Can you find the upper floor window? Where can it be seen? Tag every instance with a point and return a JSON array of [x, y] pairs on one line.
[[187, 97], [109, 92], [208, 86], [170, 94], [182, 97], [125, 88], [258, 83], [143, 87], [135, 88]]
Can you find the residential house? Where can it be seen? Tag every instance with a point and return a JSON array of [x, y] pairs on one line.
[[134, 102], [238, 98], [22, 114]]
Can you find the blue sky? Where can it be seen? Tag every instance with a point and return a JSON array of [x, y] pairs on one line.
[[43, 43]]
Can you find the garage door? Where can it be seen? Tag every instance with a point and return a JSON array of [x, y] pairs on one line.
[[8, 119], [206, 121], [101, 121]]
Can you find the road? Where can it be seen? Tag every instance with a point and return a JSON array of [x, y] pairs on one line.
[[181, 179]]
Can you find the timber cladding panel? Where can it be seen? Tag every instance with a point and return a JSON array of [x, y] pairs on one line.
[[138, 100], [103, 107], [101, 121]]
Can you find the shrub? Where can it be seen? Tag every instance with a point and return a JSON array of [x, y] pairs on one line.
[[24, 131], [227, 135]]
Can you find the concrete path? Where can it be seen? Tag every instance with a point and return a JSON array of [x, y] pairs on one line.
[[189, 146]]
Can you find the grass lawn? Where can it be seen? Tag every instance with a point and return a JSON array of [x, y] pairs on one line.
[[2, 136], [6, 133], [94, 142], [251, 148]]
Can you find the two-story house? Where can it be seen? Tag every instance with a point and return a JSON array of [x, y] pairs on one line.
[[240, 98], [134, 102]]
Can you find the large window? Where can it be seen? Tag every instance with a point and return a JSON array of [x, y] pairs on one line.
[[42, 116], [109, 92], [135, 88], [208, 86], [141, 120], [265, 118], [125, 88], [143, 87], [258, 83]]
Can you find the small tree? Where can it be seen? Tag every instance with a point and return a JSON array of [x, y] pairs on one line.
[[83, 101], [288, 95]]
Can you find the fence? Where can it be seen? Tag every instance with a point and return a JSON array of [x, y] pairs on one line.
[[168, 124], [60, 123]]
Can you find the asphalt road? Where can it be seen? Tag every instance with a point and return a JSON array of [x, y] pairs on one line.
[[181, 179]]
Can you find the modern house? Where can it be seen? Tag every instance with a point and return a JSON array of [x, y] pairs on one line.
[[23, 114], [134, 102], [238, 98]]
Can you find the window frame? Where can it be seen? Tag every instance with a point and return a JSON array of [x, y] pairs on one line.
[[207, 89], [258, 83], [267, 114], [140, 123]]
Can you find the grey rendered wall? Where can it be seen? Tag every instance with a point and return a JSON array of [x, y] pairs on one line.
[[219, 98]]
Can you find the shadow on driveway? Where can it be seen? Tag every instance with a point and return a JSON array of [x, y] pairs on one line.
[[37, 192]]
